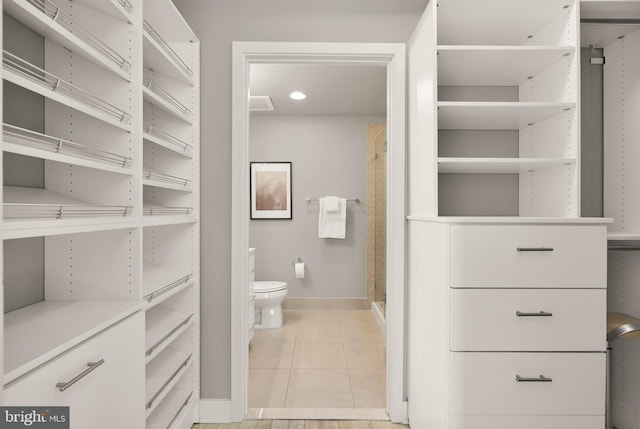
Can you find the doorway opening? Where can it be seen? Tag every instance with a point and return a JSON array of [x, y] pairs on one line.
[[328, 355], [392, 56]]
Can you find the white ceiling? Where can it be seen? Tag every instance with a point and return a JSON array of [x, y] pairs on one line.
[[331, 89]]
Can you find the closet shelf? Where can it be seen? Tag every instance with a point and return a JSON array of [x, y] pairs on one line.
[[165, 220], [495, 65], [40, 332], [601, 35], [155, 135], [28, 76], [623, 236], [119, 9], [172, 406], [45, 17], [166, 181], [30, 143], [500, 165], [163, 374], [38, 203], [169, 52], [159, 284], [163, 325], [463, 115], [160, 57], [461, 22], [167, 20], [162, 99]]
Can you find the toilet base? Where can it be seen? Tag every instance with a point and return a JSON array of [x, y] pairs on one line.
[[271, 317]]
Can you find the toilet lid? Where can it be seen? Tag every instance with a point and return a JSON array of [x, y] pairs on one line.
[[269, 286]]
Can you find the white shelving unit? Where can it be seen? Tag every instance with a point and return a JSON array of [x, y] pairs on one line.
[[517, 74], [501, 265], [170, 210], [101, 207]]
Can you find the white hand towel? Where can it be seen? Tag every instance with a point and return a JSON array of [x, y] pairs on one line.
[[331, 204], [332, 224]]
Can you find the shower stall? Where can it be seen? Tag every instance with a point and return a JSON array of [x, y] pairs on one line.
[[376, 218]]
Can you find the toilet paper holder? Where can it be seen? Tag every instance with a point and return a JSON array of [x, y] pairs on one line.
[[296, 261]]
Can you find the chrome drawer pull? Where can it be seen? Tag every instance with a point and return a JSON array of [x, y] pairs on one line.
[[62, 386], [538, 314], [535, 249], [539, 379]]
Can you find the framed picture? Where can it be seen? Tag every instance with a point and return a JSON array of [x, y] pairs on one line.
[[271, 190]]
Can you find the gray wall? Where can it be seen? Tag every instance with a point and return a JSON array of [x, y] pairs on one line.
[[592, 134], [23, 259], [217, 24], [328, 155], [23, 108]]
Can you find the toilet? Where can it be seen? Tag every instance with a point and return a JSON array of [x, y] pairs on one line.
[[268, 303]]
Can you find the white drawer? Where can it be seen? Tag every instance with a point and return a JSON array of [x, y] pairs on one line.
[[528, 256], [485, 383], [528, 319], [526, 422], [110, 396]]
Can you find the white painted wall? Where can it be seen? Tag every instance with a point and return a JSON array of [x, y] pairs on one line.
[[328, 155], [217, 24]]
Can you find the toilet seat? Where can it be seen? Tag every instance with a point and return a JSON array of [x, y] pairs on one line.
[[268, 286]]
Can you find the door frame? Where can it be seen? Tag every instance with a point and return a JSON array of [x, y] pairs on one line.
[[393, 56]]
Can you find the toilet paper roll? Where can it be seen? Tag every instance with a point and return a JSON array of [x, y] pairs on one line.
[[299, 269]]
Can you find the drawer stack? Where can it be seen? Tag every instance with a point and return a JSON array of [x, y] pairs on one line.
[[526, 325]]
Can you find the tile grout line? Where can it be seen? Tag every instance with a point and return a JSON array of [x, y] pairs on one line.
[[293, 354], [346, 364]]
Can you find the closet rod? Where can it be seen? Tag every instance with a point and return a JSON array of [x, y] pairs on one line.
[[611, 21], [624, 247]]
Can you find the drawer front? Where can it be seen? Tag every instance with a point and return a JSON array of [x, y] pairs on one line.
[[527, 422], [528, 319], [110, 396], [485, 383], [521, 256]]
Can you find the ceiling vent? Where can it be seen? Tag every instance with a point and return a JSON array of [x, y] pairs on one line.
[[260, 103]]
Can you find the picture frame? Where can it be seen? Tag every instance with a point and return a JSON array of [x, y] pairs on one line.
[[270, 190]]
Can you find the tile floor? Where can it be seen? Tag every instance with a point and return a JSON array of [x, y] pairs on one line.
[[319, 359]]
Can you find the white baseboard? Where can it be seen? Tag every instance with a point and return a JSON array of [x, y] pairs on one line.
[[377, 314], [215, 411]]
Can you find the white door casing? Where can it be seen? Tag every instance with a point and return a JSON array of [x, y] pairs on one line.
[[393, 56]]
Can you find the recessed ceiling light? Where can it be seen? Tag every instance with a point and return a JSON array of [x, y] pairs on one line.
[[297, 95]]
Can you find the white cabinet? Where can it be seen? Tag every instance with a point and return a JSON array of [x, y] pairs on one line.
[[101, 209], [506, 351], [506, 282], [99, 379]]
